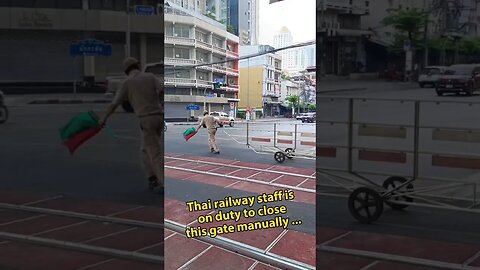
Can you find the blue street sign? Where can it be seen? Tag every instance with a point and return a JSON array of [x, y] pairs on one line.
[[209, 95], [193, 108], [141, 10], [90, 47]]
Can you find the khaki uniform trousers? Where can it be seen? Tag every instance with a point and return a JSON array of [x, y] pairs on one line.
[[152, 146], [211, 139]]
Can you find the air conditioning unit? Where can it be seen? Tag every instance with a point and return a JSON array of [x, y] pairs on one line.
[[215, 95]]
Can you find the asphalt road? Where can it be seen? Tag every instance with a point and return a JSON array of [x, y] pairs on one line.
[[33, 159]]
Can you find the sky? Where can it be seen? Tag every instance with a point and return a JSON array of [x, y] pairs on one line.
[[299, 16]]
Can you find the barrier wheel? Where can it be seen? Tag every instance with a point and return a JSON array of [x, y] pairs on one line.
[[290, 153], [365, 205], [279, 157], [395, 202]]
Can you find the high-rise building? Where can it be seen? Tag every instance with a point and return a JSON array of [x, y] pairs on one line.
[[193, 39], [244, 19]]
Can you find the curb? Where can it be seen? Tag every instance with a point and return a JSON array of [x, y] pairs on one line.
[[68, 101], [343, 90]]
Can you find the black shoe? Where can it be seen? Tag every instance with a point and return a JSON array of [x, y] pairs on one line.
[[212, 150], [217, 152], [152, 182]]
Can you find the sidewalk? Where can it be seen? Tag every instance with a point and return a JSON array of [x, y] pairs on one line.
[[20, 100], [346, 84]]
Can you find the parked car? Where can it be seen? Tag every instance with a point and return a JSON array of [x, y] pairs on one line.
[[224, 118], [299, 116], [430, 75], [462, 78], [309, 117]]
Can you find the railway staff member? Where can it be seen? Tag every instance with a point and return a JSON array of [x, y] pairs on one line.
[[210, 123], [143, 91]]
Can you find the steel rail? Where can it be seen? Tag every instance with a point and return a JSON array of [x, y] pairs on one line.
[[243, 249], [120, 254]]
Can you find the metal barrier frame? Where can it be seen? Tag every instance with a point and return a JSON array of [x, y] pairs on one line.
[[281, 153], [378, 192]]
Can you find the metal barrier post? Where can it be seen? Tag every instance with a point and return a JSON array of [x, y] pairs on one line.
[[247, 133], [416, 140], [295, 146], [274, 134], [350, 135]]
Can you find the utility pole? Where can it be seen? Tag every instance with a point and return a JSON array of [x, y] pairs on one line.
[[426, 4]]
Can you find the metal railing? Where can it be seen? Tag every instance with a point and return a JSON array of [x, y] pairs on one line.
[[436, 142]]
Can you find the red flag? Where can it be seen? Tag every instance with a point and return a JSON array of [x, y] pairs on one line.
[[78, 139], [189, 136]]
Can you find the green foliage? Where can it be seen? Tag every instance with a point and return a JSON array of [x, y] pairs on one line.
[[230, 29], [470, 46], [240, 114], [293, 101], [312, 107], [409, 24]]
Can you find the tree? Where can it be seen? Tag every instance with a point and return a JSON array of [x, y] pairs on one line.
[[312, 107], [409, 24], [470, 46], [230, 29], [293, 101]]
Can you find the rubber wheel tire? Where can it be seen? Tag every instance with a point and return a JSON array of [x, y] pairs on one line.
[[290, 153], [439, 93], [231, 124], [220, 125], [392, 182], [279, 157], [3, 114], [422, 85], [127, 107], [368, 198]]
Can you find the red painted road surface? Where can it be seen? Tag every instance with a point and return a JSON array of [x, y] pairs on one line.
[[236, 175], [24, 255]]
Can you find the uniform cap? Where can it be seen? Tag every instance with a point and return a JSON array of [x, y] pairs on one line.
[[130, 61]]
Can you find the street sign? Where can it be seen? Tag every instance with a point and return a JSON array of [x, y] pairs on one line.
[[232, 105], [193, 108], [90, 47], [248, 109], [141, 10]]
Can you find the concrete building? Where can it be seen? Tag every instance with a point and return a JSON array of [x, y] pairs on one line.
[[340, 35], [36, 36], [192, 41], [260, 79], [287, 88], [244, 19]]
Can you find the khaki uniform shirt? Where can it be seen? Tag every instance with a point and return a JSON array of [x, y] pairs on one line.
[[143, 91], [209, 121]]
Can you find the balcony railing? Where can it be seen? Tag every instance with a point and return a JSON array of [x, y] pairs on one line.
[[204, 45], [179, 40], [219, 50], [180, 81], [232, 72], [179, 61], [232, 54]]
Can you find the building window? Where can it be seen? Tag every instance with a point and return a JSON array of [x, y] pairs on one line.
[[182, 53], [184, 74], [169, 52], [169, 30], [181, 31], [202, 76], [46, 3], [201, 36], [22, 3], [202, 56]]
